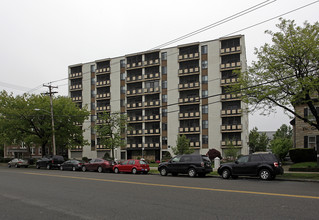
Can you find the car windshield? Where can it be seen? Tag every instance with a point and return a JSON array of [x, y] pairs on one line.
[[206, 159], [243, 159], [176, 159], [142, 162]]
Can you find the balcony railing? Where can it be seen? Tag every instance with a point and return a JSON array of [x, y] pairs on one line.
[[135, 119], [185, 86], [194, 70], [103, 108], [151, 62], [151, 117], [103, 83], [231, 112], [152, 145], [229, 81], [194, 144], [77, 148], [134, 92], [134, 105], [103, 70], [190, 100], [189, 129], [152, 90], [189, 56], [230, 97], [230, 50], [189, 115], [152, 131], [230, 65], [76, 87], [231, 128], [103, 96], [134, 78], [138, 132], [75, 75], [233, 142], [134, 65], [77, 99], [139, 145], [155, 103], [151, 76]]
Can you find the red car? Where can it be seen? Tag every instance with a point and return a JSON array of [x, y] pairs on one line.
[[99, 165], [132, 166]]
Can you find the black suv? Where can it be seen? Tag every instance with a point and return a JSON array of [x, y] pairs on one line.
[[50, 162], [264, 165], [190, 164]]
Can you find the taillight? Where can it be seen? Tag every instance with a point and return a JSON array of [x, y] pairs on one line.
[[276, 164], [107, 163], [202, 164]]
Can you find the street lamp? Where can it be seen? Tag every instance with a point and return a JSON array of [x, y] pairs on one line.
[[52, 123]]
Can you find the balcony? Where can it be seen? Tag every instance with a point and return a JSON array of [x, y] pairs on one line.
[[188, 86], [75, 75], [194, 143], [103, 96], [135, 119], [236, 143], [189, 115], [76, 148], [190, 56], [152, 104], [134, 92], [230, 50], [134, 65], [187, 101], [188, 71], [151, 62], [231, 112], [231, 128], [152, 90], [76, 87], [152, 131], [103, 83], [184, 130], [230, 81], [149, 118], [139, 145], [134, 79], [151, 145], [233, 65], [138, 132], [103, 108], [101, 147], [102, 70], [231, 97], [151, 76], [77, 99], [134, 105]]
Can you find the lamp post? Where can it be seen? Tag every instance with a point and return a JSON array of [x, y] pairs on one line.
[[52, 125]]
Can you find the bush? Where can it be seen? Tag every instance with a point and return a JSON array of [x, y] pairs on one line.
[[85, 159], [213, 153], [298, 155], [166, 155]]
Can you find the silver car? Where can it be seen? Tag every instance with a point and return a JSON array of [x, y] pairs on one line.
[[18, 163]]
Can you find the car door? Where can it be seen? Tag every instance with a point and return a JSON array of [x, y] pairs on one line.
[[174, 164], [90, 165], [130, 165], [252, 164], [240, 165], [124, 166], [184, 163]]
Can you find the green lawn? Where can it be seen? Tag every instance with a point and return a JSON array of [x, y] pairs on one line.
[[305, 165]]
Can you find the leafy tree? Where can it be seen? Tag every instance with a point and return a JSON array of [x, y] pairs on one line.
[[109, 132], [257, 141], [282, 141], [213, 153], [26, 118], [231, 151], [182, 146], [286, 72]]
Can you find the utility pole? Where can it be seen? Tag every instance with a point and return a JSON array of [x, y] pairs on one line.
[[52, 117]]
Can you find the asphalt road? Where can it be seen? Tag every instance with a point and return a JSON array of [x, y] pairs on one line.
[[53, 194]]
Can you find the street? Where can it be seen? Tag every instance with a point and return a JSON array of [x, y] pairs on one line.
[[27, 193]]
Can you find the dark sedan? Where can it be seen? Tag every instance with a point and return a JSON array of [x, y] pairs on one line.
[[99, 165], [72, 165]]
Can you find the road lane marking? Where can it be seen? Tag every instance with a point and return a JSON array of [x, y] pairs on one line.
[[176, 186]]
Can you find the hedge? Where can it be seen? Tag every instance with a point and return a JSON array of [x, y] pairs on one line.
[[298, 155]]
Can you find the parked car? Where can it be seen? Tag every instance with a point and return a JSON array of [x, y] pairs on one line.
[[50, 162], [72, 165], [187, 164], [99, 165], [18, 163], [264, 165], [132, 166]]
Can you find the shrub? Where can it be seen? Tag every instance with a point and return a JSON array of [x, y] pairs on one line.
[[213, 153], [298, 155], [166, 155], [85, 159]]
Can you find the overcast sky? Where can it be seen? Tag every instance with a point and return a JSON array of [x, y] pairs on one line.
[[41, 38]]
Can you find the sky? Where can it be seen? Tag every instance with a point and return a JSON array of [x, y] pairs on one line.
[[39, 39]]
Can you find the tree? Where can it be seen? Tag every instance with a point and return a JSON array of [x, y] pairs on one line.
[[285, 73], [110, 130], [231, 151], [282, 141], [257, 141], [182, 146], [213, 153], [26, 118]]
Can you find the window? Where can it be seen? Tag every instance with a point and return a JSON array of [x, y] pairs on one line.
[[164, 56], [32, 151], [122, 63], [312, 142], [164, 69], [123, 89], [164, 140], [164, 98], [131, 162], [164, 126], [164, 84], [123, 75], [205, 123], [204, 93], [205, 109], [204, 79], [186, 159], [204, 49], [255, 158], [204, 64], [243, 159], [308, 114], [92, 68], [176, 159], [205, 139], [122, 102], [40, 151], [164, 112]]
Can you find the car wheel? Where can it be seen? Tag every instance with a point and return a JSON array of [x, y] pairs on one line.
[[264, 174], [61, 168], [48, 167], [116, 170], [9, 165], [100, 169], [174, 174], [83, 168], [163, 172], [134, 171], [73, 169], [226, 173], [191, 172], [38, 166]]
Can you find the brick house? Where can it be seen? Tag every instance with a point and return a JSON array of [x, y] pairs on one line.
[[20, 151], [304, 135]]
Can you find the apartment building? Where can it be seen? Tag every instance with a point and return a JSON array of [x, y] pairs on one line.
[[166, 93]]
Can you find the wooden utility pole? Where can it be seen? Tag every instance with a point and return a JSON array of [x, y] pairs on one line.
[[52, 116]]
